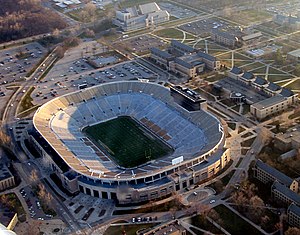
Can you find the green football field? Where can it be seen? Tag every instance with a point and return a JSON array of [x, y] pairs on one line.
[[127, 142]]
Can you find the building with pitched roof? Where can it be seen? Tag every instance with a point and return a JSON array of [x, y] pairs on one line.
[[224, 38], [184, 60], [7, 179], [278, 98], [181, 48], [282, 193], [293, 213], [267, 174]]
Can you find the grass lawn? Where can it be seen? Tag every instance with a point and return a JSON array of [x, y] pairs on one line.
[[201, 222], [277, 78], [294, 85], [248, 143], [127, 142], [231, 125], [26, 102], [130, 229], [233, 223], [253, 66], [246, 16], [169, 33]]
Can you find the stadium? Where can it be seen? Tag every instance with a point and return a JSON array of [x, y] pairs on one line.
[[129, 141]]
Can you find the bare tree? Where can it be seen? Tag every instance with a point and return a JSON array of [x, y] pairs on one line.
[[33, 176], [5, 140], [292, 231]]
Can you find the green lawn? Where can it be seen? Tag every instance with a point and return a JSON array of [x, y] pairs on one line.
[[127, 142], [233, 223], [294, 85], [169, 33]]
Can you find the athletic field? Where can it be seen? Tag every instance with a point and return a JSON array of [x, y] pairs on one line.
[[127, 142]]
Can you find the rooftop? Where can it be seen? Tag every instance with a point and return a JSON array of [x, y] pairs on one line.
[[149, 7], [260, 81], [294, 209], [295, 53], [184, 47], [224, 34], [273, 87], [282, 178], [188, 93], [286, 92], [269, 102], [206, 56], [236, 70], [161, 53], [286, 191], [248, 75], [4, 172]]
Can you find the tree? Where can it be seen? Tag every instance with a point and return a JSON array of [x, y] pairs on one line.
[[5, 140], [60, 52], [297, 70], [56, 32], [292, 231], [42, 191], [33, 176], [257, 208], [215, 217], [278, 57]]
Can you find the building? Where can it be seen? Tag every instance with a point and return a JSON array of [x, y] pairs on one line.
[[199, 150], [247, 78], [160, 57], [288, 140], [287, 21], [267, 107], [267, 174], [278, 98], [235, 73], [293, 213], [188, 98], [294, 56], [7, 180], [189, 66], [251, 38], [180, 49], [282, 193], [184, 60], [170, 228], [211, 62], [142, 16], [224, 38]]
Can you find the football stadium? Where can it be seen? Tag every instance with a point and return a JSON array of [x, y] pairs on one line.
[[130, 141]]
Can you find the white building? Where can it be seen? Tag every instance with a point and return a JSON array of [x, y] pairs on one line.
[[142, 16]]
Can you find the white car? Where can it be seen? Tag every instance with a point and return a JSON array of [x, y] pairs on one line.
[[212, 201]]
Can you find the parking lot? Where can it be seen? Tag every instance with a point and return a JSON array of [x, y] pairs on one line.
[[142, 44], [68, 82], [177, 11], [33, 204], [16, 63], [203, 27]]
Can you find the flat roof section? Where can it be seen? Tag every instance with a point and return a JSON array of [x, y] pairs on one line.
[[268, 102]]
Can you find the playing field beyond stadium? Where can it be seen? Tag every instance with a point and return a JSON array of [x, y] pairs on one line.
[[127, 142]]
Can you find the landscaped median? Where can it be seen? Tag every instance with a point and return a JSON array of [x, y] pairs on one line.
[[26, 106]]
